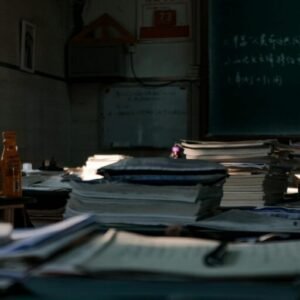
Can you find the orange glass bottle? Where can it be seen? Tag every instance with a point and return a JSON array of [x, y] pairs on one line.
[[11, 174]]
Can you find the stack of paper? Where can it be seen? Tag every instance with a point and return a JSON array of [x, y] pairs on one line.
[[119, 252], [276, 185], [78, 246], [28, 248], [243, 189], [224, 151], [255, 177], [143, 204], [50, 191], [150, 191], [265, 220]]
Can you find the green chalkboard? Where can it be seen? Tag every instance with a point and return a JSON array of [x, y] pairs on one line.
[[254, 67]]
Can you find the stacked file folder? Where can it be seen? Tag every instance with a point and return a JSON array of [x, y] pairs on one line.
[[154, 191]]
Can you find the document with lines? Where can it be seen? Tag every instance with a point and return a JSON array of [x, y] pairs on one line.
[[119, 251]]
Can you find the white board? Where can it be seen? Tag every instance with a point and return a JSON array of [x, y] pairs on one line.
[[136, 116]]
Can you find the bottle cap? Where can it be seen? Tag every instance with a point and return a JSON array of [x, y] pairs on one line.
[[9, 134]]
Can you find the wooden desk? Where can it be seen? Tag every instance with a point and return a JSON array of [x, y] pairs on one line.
[[8, 207]]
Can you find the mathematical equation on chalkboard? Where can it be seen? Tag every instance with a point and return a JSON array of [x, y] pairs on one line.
[[247, 55]]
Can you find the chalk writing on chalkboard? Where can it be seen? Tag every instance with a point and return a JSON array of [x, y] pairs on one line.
[[135, 116], [254, 68], [271, 51], [263, 80], [272, 41]]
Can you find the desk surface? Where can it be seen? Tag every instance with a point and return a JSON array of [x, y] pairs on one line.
[[88, 288]]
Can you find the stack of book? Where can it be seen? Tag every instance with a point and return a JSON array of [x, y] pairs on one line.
[[243, 187], [150, 191], [256, 176], [229, 150]]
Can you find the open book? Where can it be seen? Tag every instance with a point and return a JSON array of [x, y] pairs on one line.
[[119, 252]]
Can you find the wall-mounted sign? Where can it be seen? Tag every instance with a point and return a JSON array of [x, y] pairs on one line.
[[164, 19]]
